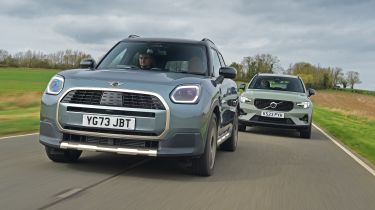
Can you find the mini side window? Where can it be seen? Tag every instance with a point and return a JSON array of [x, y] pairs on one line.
[[221, 59], [215, 62]]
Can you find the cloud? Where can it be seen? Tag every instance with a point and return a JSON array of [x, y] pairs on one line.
[[94, 30], [42, 8], [326, 32]]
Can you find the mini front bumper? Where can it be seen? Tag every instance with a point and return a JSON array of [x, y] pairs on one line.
[[178, 142], [178, 133]]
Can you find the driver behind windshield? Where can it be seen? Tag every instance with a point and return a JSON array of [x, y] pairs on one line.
[[146, 59], [264, 84]]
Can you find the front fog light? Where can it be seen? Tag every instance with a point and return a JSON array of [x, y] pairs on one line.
[[305, 118]]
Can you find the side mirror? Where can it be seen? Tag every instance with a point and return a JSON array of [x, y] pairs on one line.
[[242, 86], [87, 63], [228, 72], [311, 91]]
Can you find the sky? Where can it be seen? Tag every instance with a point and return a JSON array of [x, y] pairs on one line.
[[335, 33]]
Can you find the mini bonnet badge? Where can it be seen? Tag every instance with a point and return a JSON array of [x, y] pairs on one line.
[[115, 84]]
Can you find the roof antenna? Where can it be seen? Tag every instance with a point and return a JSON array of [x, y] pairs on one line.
[[133, 36]]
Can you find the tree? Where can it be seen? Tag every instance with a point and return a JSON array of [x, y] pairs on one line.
[[344, 82], [32, 59], [353, 78], [326, 83], [316, 76], [336, 76], [308, 73], [263, 63], [240, 73], [3, 55], [307, 79]]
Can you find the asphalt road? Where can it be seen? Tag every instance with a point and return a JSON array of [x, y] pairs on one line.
[[272, 169]]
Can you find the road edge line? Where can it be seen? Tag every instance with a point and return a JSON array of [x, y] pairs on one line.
[[8, 137], [359, 161]]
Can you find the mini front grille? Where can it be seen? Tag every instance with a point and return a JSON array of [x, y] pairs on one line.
[[110, 141], [112, 98], [286, 121], [276, 105], [136, 100], [91, 97]]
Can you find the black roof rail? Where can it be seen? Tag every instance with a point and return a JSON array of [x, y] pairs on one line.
[[207, 39], [133, 36]]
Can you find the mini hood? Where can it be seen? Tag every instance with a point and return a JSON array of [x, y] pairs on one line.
[[136, 76]]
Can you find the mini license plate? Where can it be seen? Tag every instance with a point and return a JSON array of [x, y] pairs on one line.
[[272, 114], [106, 121]]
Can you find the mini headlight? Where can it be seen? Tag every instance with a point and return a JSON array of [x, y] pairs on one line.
[[186, 94], [244, 99], [304, 105], [55, 85]]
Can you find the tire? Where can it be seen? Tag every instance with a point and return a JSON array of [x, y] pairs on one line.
[[204, 164], [231, 143], [305, 133], [62, 155]]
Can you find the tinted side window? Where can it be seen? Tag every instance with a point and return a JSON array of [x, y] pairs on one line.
[[215, 62]]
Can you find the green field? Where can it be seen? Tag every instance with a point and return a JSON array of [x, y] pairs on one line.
[[20, 92], [356, 132], [24, 79]]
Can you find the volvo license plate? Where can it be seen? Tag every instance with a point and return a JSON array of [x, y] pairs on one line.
[[272, 114]]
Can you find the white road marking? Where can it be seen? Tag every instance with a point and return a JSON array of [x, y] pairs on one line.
[[70, 193], [359, 161], [29, 134]]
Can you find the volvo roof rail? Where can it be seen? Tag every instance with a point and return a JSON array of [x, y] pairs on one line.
[[133, 36], [207, 39]]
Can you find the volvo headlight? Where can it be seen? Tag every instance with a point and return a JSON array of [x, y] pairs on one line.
[[244, 99], [186, 94], [55, 85], [304, 105]]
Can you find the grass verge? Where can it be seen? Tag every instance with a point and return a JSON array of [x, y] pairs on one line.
[[20, 93], [19, 114], [356, 132]]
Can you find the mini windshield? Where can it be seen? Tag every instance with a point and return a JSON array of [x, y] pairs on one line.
[[277, 83], [172, 57]]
